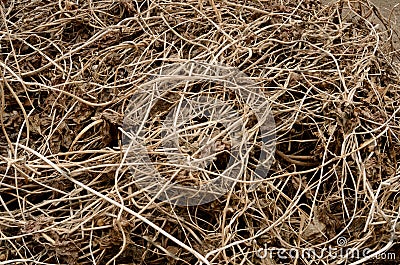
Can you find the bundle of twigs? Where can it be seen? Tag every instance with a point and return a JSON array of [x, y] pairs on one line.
[[69, 70]]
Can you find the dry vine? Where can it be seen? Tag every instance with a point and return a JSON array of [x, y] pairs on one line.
[[69, 69]]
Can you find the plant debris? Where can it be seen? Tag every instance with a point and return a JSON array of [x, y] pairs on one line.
[[69, 69]]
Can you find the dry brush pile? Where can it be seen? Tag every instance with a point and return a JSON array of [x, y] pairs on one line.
[[69, 69]]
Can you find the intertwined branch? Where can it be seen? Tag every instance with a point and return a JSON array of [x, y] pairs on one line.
[[70, 68]]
